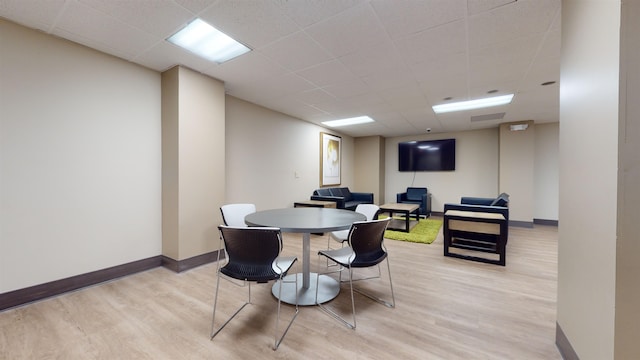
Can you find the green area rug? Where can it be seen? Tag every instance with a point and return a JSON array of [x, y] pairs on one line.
[[425, 231]]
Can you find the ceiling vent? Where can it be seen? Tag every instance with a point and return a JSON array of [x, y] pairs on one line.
[[496, 116]]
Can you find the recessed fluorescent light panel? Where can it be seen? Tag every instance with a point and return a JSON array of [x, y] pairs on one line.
[[518, 127], [204, 40], [473, 104], [349, 121]]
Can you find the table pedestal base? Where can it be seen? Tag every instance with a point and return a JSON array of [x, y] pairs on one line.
[[328, 289]]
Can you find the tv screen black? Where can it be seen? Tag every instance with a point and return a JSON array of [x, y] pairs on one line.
[[428, 155]]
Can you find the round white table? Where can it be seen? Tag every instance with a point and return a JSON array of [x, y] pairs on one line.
[[306, 221]]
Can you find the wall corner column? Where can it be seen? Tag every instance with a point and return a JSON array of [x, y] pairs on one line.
[[193, 163]]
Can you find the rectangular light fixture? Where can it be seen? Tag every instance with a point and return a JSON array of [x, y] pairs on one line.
[[348, 121], [208, 42], [518, 127], [473, 104]]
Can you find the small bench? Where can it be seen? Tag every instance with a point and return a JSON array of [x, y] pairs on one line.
[[477, 231]]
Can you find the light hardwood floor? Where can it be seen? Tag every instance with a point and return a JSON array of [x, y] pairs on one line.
[[446, 308]]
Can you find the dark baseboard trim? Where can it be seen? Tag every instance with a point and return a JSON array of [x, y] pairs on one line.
[[545, 222], [564, 346], [42, 291], [522, 224], [190, 263]]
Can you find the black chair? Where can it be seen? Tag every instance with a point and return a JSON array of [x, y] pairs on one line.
[[253, 255], [366, 249], [416, 195]]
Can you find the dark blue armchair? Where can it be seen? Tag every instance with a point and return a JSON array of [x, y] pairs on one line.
[[416, 195]]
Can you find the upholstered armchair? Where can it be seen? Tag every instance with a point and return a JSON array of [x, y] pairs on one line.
[[416, 195], [480, 224]]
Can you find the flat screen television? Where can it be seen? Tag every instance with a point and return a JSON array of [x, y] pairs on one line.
[[427, 155]]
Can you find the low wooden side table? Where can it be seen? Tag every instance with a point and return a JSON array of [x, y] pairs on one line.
[[478, 231], [406, 210], [315, 203]]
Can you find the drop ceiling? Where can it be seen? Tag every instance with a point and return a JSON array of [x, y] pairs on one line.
[[320, 60]]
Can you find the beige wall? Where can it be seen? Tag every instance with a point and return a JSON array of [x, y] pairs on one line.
[[546, 172], [589, 135], [266, 150], [481, 161], [627, 318], [476, 171], [369, 167], [193, 134], [517, 161], [79, 160]]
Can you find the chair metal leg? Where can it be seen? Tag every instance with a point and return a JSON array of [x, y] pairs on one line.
[[391, 304], [215, 332], [327, 310], [276, 340]]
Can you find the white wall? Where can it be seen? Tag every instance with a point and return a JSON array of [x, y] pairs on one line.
[[627, 321], [79, 160], [476, 171], [546, 172], [589, 81], [264, 151]]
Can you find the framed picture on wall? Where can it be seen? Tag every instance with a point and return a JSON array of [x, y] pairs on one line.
[[330, 154]]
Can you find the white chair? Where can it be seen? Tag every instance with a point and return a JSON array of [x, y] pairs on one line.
[[368, 210], [233, 214]]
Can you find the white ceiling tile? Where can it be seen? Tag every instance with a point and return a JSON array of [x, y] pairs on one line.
[[165, 55], [437, 70], [295, 52], [95, 29], [275, 86], [246, 68], [480, 6], [388, 78], [511, 21], [440, 41], [519, 52], [195, 6], [158, 17], [407, 96], [455, 87], [312, 97], [253, 23], [356, 28], [369, 60], [327, 73], [306, 13], [32, 13], [403, 18], [348, 88]]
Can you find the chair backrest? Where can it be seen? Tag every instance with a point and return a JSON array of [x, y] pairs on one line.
[[366, 239], [368, 210], [251, 252], [233, 214], [415, 193]]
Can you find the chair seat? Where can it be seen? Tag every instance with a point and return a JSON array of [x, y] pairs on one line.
[[340, 235], [260, 274], [342, 256], [346, 257]]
